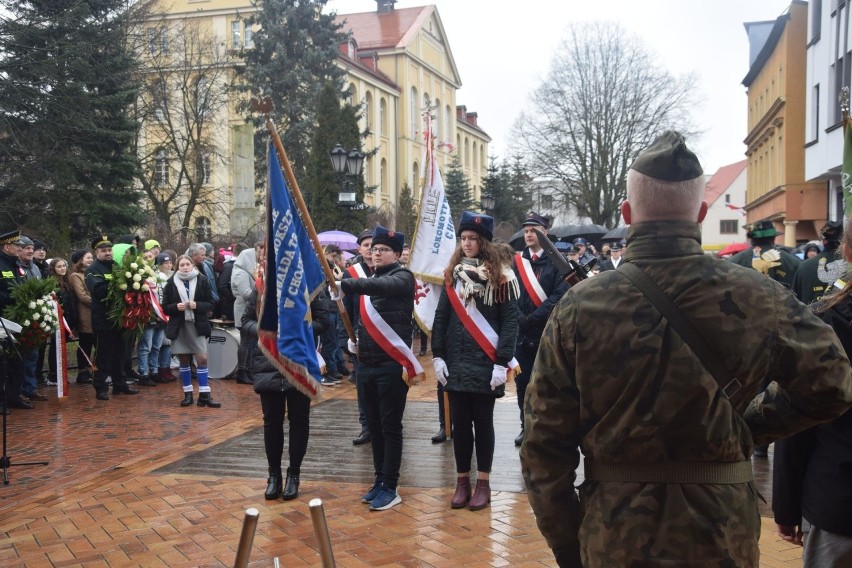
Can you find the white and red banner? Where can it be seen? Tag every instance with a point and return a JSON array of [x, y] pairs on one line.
[[391, 343], [529, 280], [61, 357]]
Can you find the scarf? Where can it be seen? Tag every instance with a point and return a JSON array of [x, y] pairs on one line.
[[186, 290], [472, 274]]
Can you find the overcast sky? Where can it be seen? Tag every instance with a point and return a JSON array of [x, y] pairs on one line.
[[508, 45]]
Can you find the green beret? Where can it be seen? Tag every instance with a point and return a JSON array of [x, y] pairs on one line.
[[668, 159]]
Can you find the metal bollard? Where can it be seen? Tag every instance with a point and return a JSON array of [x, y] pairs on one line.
[[321, 530], [246, 538]]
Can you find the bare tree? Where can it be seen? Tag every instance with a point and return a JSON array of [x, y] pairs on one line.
[[183, 114], [603, 101]]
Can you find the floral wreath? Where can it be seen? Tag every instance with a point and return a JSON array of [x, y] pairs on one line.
[[129, 297], [35, 311]]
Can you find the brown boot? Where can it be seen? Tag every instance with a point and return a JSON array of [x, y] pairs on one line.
[[462, 494], [482, 496]]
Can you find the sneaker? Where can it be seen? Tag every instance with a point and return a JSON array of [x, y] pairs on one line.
[[329, 381], [373, 492], [386, 499]]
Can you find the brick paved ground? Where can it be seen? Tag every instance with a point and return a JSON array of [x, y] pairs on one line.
[[112, 496]]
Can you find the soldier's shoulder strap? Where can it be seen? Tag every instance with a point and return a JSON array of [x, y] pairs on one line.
[[690, 335]]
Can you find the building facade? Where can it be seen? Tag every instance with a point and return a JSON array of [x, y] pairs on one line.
[[725, 195], [776, 184], [829, 58], [398, 63]]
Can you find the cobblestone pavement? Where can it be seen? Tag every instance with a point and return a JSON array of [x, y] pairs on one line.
[[140, 481]]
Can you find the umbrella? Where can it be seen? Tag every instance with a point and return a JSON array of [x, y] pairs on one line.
[[346, 241], [517, 240], [733, 248], [589, 231], [617, 234]]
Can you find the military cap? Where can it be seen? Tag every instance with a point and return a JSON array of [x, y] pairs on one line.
[[536, 219], [78, 255], [10, 238], [668, 159], [477, 222], [394, 239], [832, 231], [101, 242], [617, 245], [25, 241], [562, 246], [365, 234], [151, 243], [38, 245], [763, 229], [580, 241]]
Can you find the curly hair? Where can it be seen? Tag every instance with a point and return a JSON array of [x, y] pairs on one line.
[[489, 254]]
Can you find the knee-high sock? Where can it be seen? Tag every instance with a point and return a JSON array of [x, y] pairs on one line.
[[186, 378], [203, 385]]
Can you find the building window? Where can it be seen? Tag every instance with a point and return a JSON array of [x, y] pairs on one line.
[[815, 113], [816, 18], [728, 227], [546, 202], [727, 198], [383, 117], [436, 124], [160, 99], [368, 110], [161, 169], [204, 168], [241, 35], [350, 49], [414, 114], [203, 229], [415, 179], [158, 41], [202, 96]]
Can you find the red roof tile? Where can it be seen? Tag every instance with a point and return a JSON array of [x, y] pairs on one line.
[[722, 180], [383, 31]]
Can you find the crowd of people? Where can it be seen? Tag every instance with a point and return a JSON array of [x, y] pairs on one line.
[[666, 369]]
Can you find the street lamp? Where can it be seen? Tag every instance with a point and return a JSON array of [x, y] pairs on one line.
[[347, 166], [487, 203]]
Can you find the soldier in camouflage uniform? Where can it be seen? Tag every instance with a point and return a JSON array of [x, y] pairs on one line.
[[781, 269], [667, 472], [818, 273]]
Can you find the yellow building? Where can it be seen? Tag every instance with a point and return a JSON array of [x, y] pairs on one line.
[[397, 62], [776, 187]]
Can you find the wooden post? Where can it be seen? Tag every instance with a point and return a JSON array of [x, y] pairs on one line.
[[448, 425]]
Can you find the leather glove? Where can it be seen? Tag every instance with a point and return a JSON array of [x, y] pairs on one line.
[[441, 371], [339, 295], [498, 376], [352, 346]]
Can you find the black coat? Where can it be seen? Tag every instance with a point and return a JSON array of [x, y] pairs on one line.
[[532, 319], [98, 278], [469, 366], [391, 289], [203, 301], [10, 275], [266, 377], [812, 471]]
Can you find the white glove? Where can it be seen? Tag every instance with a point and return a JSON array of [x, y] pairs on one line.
[[441, 371], [498, 376], [339, 295], [352, 346]]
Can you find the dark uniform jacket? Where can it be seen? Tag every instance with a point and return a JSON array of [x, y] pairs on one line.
[[532, 319], [352, 301], [98, 278], [203, 300], [813, 469], [266, 377], [10, 275], [816, 275], [609, 265], [469, 366], [391, 289], [785, 273], [614, 380]]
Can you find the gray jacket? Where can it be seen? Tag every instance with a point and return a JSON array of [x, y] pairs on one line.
[[242, 282]]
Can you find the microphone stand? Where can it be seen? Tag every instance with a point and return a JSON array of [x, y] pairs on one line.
[[5, 461]]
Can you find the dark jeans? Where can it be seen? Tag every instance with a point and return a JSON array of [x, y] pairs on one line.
[[12, 380], [472, 412], [85, 344], [330, 345], [244, 351], [384, 404], [298, 409], [110, 361], [359, 390], [526, 359]]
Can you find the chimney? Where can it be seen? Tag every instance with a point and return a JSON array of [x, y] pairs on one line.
[[385, 6]]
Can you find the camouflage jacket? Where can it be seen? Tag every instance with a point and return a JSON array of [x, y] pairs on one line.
[[612, 379]]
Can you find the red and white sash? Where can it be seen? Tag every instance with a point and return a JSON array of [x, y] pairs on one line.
[[357, 271], [155, 303], [478, 327], [533, 288], [390, 342]]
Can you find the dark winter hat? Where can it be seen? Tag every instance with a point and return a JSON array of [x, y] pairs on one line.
[[394, 239], [812, 246], [536, 219], [101, 242], [762, 230], [832, 231], [78, 255], [580, 241], [38, 245], [668, 159], [163, 257], [482, 224], [365, 234], [10, 238]]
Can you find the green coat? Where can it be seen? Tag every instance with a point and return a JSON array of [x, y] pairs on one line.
[[614, 380], [785, 273], [816, 275]]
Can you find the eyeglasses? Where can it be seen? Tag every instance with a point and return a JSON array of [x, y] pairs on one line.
[[380, 250]]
